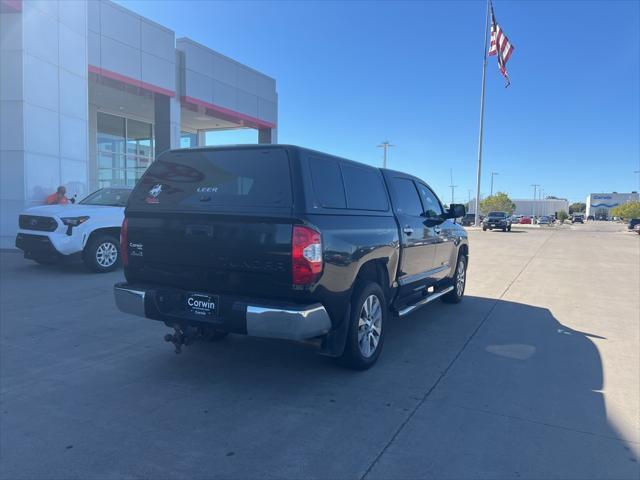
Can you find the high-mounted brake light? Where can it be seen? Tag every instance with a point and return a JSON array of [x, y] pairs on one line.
[[306, 255], [124, 242]]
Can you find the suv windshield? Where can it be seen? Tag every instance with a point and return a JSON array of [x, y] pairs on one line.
[[210, 179], [497, 214], [108, 197]]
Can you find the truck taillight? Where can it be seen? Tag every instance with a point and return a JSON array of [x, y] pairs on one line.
[[306, 255], [124, 242]]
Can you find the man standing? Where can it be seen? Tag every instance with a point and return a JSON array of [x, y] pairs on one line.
[[59, 197]]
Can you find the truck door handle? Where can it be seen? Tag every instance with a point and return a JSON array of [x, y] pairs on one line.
[[408, 230]]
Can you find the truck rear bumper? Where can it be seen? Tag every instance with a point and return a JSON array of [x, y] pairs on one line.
[[254, 317]]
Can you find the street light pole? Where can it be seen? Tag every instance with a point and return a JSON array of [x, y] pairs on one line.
[[533, 206], [453, 187], [385, 145], [492, 175]]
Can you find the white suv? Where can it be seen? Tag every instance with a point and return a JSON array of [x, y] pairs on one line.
[[89, 229]]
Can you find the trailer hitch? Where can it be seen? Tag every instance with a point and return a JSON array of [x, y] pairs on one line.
[[180, 337]]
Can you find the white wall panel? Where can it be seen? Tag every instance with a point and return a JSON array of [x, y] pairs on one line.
[[11, 125], [120, 24], [93, 16], [73, 51], [73, 13], [197, 59], [10, 75], [40, 35], [41, 132], [198, 86], [157, 41], [40, 80], [225, 95], [158, 71], [93, 49], [74, 175], [73, 138], [267, 110], [48, 7], [225, 70], [247, 80], [120, 58], [266, 88], [10, 32], [73, 95], [42, 176], [12, 176], [247, 103]]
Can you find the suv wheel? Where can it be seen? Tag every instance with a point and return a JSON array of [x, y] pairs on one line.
[[459, 281], [366, 327], [102, 254]]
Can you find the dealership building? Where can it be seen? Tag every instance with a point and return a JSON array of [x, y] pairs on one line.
[[599, 205], [91, 92]]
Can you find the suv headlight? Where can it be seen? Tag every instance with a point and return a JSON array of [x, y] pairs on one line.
[[74, 221]]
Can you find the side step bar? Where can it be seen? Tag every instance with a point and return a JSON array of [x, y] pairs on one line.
[[424, 301]]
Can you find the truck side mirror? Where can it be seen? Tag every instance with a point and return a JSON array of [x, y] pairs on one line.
[[456, 210]]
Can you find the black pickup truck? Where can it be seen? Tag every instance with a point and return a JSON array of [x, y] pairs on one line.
[[284, 242]]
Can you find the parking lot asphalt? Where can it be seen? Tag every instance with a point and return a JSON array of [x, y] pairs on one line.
[[534, 375]]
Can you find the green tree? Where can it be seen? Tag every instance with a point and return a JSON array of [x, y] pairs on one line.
[[562, 216], [500, 202], [577, 207], [627, 210]]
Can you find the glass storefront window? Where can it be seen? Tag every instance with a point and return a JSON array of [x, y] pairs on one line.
[[125, 149], [188, 140]]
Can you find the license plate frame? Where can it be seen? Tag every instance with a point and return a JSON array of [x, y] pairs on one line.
[[202, 305]]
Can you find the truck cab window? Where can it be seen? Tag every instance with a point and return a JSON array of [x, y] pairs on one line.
[[432, 207], [406, 199]]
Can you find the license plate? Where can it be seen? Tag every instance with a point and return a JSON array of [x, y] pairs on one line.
[[202, 305]]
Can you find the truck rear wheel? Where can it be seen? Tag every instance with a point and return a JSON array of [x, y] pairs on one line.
[[367, 319], [102, 254]]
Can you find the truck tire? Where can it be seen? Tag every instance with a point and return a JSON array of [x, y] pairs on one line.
[[504, 229], [102, 253], [367, 319], [459, 281], [484, 229]]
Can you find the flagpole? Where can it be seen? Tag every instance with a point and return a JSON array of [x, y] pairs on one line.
[[484, 75]]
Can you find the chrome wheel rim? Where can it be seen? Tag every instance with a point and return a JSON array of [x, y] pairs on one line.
[[460, 277], [106, 254], [369, 326]]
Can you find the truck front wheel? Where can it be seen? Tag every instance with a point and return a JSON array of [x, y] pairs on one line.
[[102, 254], [459, 281], [367, 319]]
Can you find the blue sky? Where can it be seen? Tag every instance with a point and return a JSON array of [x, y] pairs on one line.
[[350, 75]]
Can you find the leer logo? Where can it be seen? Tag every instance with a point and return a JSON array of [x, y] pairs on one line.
[[156, 190], [153, 194]]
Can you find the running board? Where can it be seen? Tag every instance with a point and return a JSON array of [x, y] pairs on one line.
[[424, 301]]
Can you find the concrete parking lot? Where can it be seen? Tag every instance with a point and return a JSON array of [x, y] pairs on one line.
[[534, 375]]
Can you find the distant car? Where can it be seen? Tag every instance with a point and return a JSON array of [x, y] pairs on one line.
[[590, 217], [632, 223], [497, 220], [468, 220], [89, 229], [544, 221], [525, 221], [577, 219], [637, 228]]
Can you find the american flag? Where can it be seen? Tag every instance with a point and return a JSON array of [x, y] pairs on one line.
[[500, 46]]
